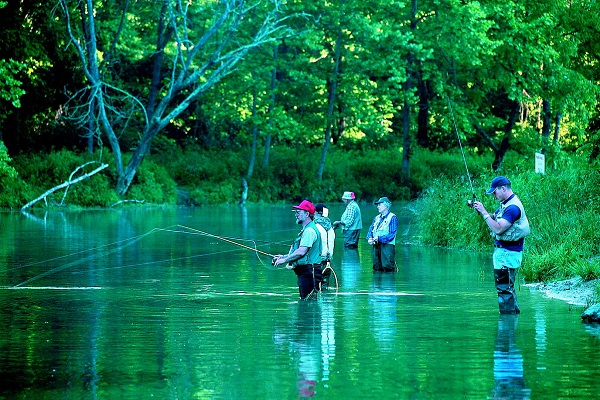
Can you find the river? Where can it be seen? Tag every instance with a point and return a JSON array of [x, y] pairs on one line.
[[146, 303]]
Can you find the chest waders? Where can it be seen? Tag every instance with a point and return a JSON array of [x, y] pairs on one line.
[[309, 280], [505, 286]]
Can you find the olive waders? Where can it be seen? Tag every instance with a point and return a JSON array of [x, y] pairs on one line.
[[505, 285]]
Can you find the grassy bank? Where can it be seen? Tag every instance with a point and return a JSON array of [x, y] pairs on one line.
[[561, 205]]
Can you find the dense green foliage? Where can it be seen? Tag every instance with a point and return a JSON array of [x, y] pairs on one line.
[[561, 206], [365, 74]]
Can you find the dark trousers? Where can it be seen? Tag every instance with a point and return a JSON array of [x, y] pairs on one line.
[[384, 257], [351, 238], [309, 279], [505, 286]]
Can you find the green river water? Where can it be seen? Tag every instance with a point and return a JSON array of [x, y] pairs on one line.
[[145, 303]]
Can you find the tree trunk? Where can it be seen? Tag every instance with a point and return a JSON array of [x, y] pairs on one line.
[[265, 161], [423, 115], [546, 124], [406, 153], [332, 94], [557, 126], [254, 136], [244, 195], [505, 143]]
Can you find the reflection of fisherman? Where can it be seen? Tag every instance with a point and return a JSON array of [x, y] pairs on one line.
[[508, 362], [351, 221], [509, 226], [382, 236], [305, 255], [327, 235]]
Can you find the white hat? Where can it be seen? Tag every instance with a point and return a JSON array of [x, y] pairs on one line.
[[348, 196]]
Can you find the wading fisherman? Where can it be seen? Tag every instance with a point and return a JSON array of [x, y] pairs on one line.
[[382, 236], [351, 221], [305, 255], [508, 226], [327, 238]]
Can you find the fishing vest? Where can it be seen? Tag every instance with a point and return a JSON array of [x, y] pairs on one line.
[[519, 229], [381, 226], [313, 256], [357, 223]]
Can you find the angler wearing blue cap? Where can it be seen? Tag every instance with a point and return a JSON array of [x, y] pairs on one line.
[[509, 226]]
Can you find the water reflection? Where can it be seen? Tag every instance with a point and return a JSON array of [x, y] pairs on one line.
[[382, 305], [311, 344], [540, 335], [350, 270], [508, 362]]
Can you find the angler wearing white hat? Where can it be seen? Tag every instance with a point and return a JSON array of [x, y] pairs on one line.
[[351, 221]]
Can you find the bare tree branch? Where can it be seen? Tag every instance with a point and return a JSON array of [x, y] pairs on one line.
[[68, 183]]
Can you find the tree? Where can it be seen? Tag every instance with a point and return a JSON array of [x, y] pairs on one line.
[[197, 44]]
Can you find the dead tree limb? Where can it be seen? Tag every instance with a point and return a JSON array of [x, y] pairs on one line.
[[68, 183]]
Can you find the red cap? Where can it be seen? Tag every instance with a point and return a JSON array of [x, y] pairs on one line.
[[306, 206]]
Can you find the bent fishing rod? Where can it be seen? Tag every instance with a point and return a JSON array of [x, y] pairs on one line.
[[227, 240]]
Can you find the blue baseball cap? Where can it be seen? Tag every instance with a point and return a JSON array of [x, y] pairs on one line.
[[497, 182]]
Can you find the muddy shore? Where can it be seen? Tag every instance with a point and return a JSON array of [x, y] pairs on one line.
[[574, 290]]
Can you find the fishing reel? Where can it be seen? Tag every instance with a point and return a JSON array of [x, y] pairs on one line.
[[471, 202]]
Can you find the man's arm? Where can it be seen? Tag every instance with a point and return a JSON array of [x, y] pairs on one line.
[[295, 256], [499, 226]]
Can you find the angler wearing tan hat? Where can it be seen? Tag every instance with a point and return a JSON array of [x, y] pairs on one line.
[[351, 221], [304, 257], [382, 236]]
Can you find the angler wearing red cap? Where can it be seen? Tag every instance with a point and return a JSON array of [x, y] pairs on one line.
[[509, 226], [305, 254]]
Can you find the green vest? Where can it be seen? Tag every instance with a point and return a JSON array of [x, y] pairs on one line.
[[313, 256]]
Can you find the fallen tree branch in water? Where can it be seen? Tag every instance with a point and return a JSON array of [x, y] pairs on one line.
[[127, 201], [67, 184]]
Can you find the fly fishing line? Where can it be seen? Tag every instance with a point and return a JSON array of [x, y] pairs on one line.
[[461, 147]]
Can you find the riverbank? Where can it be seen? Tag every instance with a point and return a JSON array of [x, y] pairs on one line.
[[574, 291]]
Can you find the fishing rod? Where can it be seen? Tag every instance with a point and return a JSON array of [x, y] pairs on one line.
[[469, 202], [227, 240]]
